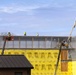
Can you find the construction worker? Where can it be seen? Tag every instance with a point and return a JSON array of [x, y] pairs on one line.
[[24, 33], [64, 43], [9, 36], [37, 34]]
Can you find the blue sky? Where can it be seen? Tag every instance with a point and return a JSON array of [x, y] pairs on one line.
[[47, 17]]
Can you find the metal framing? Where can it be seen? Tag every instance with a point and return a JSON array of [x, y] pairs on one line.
[[33, 42]]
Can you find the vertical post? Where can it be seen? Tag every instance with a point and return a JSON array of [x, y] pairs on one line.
[[6, 44], [26, 43], [19, 42], [64, 63], [38, 43], [45, 42], [13, 43], [58, 43], [32, 41], [51, 42]]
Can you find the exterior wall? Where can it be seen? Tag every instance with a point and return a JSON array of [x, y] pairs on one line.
[[43, 61], [12, 71]]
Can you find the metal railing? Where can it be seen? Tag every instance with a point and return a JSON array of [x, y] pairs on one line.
[[33, 42]]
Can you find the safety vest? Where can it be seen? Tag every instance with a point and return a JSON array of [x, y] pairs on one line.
[[24, 33]]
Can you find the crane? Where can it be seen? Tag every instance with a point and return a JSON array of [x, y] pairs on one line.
[[6, 38], [64, 44]]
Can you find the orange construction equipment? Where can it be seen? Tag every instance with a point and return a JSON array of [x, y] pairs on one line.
[[6, 38]]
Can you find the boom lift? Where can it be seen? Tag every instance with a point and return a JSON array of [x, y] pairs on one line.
[[63, 43], [6, 38]]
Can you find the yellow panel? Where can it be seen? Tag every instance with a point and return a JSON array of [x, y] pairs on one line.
[[74, 67], [44, 61]]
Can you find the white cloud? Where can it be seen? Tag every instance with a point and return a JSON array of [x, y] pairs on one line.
[[15, 9], [19, 8]]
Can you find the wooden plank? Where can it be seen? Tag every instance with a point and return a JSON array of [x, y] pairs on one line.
[[64, 64]]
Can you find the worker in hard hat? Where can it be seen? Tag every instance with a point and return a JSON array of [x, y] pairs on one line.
[[9, 34], [64, 43], [24, 33], [37, 34]]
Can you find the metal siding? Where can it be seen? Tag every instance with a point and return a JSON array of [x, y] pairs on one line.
[[32, 42]]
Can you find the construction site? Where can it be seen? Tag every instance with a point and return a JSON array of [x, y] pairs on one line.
[[49, 55]]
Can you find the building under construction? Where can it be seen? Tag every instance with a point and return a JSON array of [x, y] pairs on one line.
[[42, 52]]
